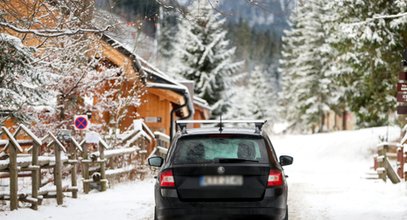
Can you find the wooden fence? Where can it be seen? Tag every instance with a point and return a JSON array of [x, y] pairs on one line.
[[386, 153], [163, 143], [96, 163]]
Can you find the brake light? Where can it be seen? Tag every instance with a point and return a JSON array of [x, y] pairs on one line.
[[167, 179], [275, 178]]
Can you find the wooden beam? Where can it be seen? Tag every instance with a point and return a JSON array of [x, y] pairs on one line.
[[35, 174], [76, 144], [13, 178], [57, 142], [58, 173], [32, 135], [169, 95], [391, 173], [12, 140]]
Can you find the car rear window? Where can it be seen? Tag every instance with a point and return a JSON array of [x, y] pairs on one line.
[[220, 149]]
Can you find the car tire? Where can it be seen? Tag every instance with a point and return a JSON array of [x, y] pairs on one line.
[[286, 214], [155, 214]]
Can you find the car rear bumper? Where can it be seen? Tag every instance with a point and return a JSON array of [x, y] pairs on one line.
[[272, 207], [220, 213]]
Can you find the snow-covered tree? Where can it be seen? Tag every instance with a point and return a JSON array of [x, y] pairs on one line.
[[92, 84], [370, 39], [167, 34], [253, 97], [74, 75], [262, 95], [20, 82], [308, 84], [69, 61], [120, 100], [204, 55]]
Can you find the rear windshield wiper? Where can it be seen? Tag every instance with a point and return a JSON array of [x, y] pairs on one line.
[[235, 160]]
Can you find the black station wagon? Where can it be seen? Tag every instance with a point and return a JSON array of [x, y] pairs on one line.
[[221, 173]]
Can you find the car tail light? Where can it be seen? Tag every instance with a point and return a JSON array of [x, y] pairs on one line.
[[167, 179], [275, 178]]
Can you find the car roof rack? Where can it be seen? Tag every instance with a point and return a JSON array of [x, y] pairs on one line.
[[183, 123]]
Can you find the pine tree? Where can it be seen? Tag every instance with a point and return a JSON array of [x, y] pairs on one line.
[[370, 41], [166, 36], [254, 98], [20, 83], [262, 95], [307, 57], [205, 56]]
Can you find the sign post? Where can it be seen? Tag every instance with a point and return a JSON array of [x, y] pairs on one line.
[[81, 122], [402, 87]]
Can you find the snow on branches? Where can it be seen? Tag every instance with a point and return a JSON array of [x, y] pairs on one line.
[[66, 69], [204, 55], [357, 54], [20, 81]]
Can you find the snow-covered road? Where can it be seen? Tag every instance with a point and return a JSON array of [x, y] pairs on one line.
[[327, 181]]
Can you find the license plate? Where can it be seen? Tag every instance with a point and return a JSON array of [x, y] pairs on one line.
[[221, 180]]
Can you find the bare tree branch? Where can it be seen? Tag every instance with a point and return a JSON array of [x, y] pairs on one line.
[[53, 32], [379, 17]]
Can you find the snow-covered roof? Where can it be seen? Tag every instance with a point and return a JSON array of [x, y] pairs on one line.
[[155, 78], [201, 103], [131, 37], [164, 86], [125, 51], [152, 73]]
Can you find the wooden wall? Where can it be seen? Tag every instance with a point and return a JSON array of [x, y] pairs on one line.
[[156, 110], [200, 114]]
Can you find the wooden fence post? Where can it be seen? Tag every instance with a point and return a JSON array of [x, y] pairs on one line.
[[400, 162], [74, 178], [405, 160], [13, 178], [35, 175], [13, 148], [58, 148], [103, 180], [58, 174], [85, 170], [35, 167], [74, 170]]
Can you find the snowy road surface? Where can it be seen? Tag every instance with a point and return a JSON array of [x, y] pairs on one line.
[[328, 180]]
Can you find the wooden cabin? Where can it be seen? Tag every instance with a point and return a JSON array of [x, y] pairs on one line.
[[165, 99]]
